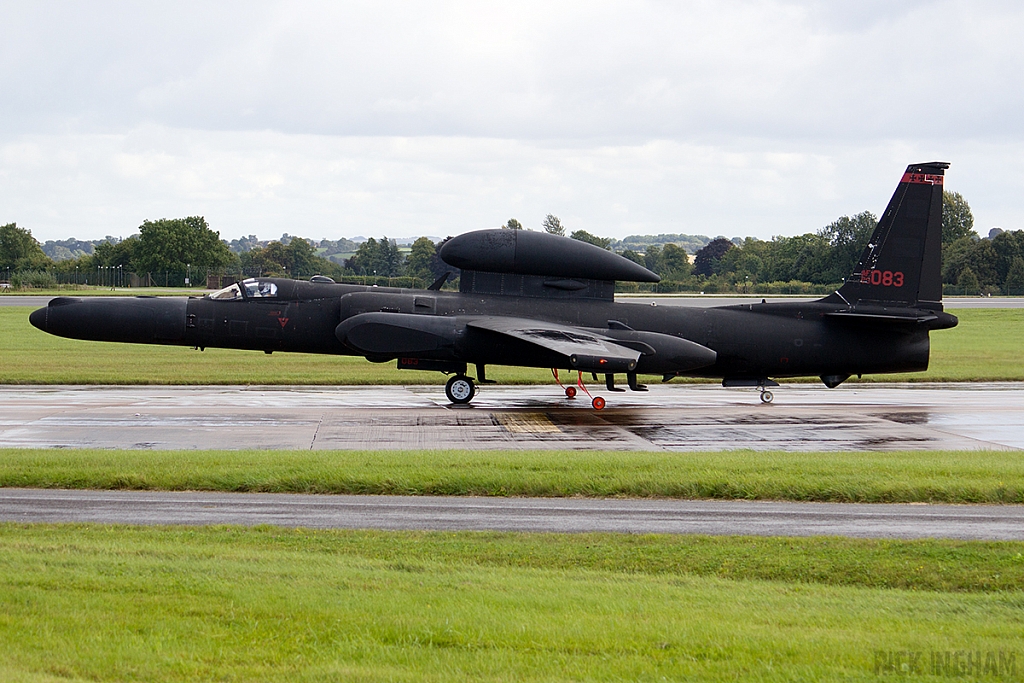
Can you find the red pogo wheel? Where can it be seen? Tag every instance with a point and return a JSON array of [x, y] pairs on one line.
[[598, 403], [570, 392]]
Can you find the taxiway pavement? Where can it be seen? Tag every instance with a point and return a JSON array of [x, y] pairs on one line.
[[758, 518], [673, 417]]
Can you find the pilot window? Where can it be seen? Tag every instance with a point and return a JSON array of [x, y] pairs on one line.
[[255, 289]]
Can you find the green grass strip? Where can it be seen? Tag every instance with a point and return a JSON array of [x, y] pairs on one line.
[[99, 603], [876, 477], [985, 347]]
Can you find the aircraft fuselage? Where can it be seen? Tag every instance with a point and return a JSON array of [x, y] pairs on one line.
[[755, 340]]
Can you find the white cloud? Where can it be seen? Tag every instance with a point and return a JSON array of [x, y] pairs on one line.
[[328, 186], [756, 117]]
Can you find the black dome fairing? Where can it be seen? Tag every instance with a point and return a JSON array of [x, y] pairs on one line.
[[524, 252]]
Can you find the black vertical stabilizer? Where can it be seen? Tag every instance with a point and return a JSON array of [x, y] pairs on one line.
[[902, 262]]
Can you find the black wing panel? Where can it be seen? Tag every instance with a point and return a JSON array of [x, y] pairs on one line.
[[585, 350]]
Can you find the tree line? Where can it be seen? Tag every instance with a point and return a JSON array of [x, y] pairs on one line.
[[169, 251]]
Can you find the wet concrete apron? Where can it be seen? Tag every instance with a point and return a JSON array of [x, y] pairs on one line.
[[668, 417]]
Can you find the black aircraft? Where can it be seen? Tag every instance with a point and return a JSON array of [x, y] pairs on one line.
[[537, 300]]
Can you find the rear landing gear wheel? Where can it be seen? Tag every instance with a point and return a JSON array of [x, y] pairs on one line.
[[598, 403], [460, 389], [570, 392], [766, 396]]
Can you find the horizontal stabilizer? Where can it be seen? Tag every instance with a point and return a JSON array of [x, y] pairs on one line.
[[882, 317]]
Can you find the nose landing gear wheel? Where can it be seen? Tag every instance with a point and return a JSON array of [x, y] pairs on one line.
[[570, 392], [598, 403], [766, 396], [460, 389]]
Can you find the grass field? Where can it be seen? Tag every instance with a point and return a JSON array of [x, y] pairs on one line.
[[115, 603], [985, 346], [99, 603], [904, 477]]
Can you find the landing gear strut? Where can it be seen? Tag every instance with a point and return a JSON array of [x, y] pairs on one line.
[[597, 402], [762, 384], [460, 389]]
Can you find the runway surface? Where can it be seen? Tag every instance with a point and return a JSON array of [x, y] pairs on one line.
[[967, 522], [672, 417], [668, 300]]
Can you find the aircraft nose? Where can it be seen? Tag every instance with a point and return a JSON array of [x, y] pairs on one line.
[[145, 320], [38, 318]]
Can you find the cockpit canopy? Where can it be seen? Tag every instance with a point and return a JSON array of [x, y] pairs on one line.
[[254, 289]]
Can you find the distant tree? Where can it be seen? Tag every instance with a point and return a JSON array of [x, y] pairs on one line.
[[418, 262], [244, 244], [513, 224], [439, 267], [296, 259], [122, 253], [706, 260], [691, 243], [983, 261], [339, 246], [364, 261], [652, 258], [1007, 245], [62, 250], [19, 250], [264, 261], [675, 263], [957, 219], [584, 236], [847, 236], [377, 257], [968, 282], [954, 258], [1014, 284], [745, 262], [553, 226], [633, 256], [172, 245], [988, 260], [302, 259]]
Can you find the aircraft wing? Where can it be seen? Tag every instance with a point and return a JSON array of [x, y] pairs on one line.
[[585, 350]]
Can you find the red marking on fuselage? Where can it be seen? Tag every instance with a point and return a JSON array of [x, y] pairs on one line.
[[283, 321], [922, 178]]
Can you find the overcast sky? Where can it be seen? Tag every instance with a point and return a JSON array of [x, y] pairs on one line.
[[409, 118]]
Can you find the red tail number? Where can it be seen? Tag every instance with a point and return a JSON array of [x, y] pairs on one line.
[[886, 278]]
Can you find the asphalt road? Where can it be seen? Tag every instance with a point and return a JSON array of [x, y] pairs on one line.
[[696, 301], [968, 522]]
